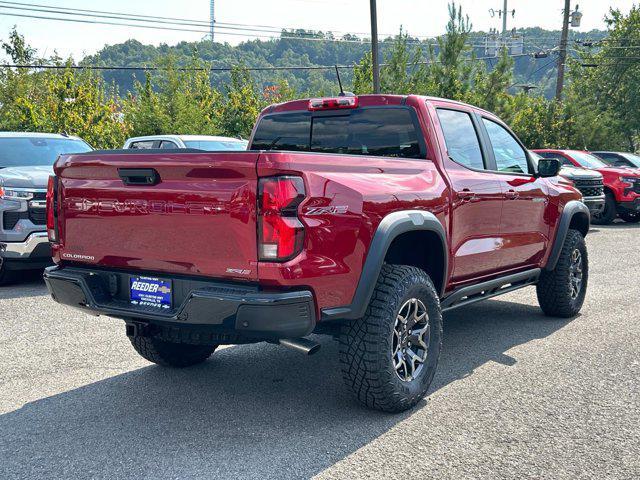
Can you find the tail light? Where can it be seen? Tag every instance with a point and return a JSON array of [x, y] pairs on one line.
[[333, 103], [52, 209], [280, 232]]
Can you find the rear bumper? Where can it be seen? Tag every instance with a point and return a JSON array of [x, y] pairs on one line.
[[34, 252], [222, 312]]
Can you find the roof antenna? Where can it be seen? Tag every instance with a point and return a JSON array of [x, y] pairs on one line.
[[342, 92], [339, 81]]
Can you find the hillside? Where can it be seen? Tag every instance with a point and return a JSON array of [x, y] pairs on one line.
[[293, 52]]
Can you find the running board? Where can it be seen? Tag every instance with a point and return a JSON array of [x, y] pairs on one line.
[[492, 288]]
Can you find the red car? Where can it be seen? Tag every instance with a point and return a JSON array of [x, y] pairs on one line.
[[362, 217], [622, 184]]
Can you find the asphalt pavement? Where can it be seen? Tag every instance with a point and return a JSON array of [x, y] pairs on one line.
[[516, 395]]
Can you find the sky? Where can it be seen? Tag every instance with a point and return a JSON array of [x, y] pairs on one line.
[[417, 17]]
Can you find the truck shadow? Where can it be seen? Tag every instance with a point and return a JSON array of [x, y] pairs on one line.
[[617, 225], [256, 411], [28, 283]]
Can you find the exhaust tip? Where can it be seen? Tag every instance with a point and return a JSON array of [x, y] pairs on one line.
[[302, 345]]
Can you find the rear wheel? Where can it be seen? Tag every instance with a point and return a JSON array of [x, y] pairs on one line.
[[389, 357], [608, 214], [170, 354], [561, 291], [630, 217]]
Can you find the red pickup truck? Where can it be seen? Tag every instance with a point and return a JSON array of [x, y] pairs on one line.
[[360, 217], [621, 184]]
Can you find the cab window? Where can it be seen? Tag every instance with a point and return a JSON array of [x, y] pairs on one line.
[[461, 138], [509, 155]]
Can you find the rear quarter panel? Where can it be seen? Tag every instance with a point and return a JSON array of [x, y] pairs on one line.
[[347, 198]]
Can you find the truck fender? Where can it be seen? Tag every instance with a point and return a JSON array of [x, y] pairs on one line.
[[574, 209], [390, 227]]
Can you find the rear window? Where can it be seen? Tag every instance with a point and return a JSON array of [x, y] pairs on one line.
[[216, 145], [34, 151], [386, 132], [145, 145]]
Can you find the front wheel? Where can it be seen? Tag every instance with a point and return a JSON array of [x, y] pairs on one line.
[[389, 357], [608, 214], [561, 291], [630, 217], [169, 354]]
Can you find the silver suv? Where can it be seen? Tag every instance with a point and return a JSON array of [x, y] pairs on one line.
[[26, 161], [198, 142]]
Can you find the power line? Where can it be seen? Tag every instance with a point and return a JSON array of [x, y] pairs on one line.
[[153, 27], [194, 22], [211, 69], [182, 69], [56, 10], [538, 69], [165, 20], [243, 30]]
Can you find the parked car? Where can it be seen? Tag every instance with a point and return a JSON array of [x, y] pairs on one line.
[[391, 210], [589, 182], [621, 184], [26, 162], [197, 142], [619, 159]]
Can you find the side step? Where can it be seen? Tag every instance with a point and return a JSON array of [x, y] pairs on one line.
[[491, 288]]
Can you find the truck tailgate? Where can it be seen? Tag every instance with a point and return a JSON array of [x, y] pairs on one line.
[[184, 213]]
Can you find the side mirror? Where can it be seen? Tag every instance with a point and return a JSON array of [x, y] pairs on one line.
[[548, 167]]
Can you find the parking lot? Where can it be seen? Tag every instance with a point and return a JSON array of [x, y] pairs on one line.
[[517, 394]]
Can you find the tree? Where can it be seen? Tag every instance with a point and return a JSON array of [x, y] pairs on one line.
[[240, 105], [612, 86], [17, 48], [60, 100]]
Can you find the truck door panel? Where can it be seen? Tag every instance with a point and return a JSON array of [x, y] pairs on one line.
[[523, 227], [476, 197]]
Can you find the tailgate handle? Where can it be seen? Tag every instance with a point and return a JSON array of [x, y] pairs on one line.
[[139, 176]]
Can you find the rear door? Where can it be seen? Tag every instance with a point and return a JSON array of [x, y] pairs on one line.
[[477, 196], [524, 228], [196, 215]]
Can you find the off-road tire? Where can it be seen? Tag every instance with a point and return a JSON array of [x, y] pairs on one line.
[[554, 287], [630, 217], [168, 354], [366, 344], [608, 214]]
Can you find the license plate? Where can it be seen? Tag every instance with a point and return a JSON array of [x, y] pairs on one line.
[[151, 292]]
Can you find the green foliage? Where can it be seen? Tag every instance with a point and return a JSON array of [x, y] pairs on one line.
[[63, 100], [17, 49], [240, 106], [610, 91]]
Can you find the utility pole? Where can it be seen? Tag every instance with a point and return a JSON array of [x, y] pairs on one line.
[[212, 20], [562, 54], [504, 19], [374, 48]]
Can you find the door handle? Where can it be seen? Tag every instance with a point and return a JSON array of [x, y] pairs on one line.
[[511, 194], [466, 194]]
